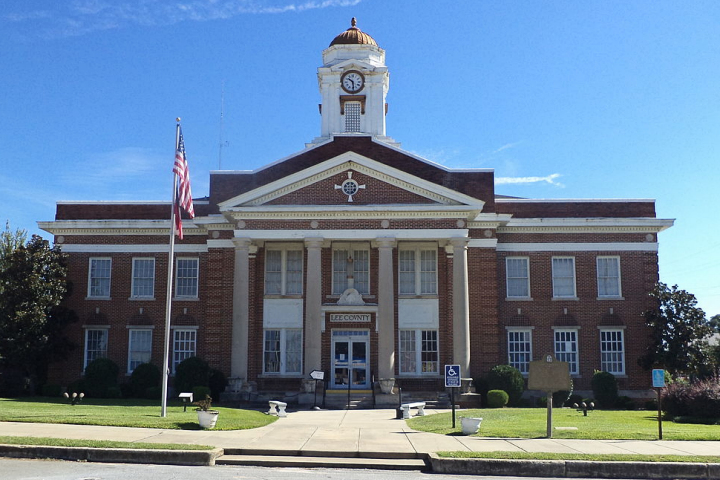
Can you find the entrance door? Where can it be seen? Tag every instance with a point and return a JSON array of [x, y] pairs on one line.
[[351, 359]]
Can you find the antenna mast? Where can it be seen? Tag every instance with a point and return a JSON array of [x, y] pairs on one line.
[[223, 143]]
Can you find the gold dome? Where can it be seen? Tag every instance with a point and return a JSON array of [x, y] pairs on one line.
[[353, 36]]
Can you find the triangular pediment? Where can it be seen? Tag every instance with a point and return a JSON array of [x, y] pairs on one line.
[[376, 184]]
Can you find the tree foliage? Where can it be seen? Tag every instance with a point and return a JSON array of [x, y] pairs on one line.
[[33, 282], [679, 332]]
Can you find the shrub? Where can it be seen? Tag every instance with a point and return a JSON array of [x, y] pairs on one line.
[[200, 392], [190, 373], [51, 390], [605, 389], [625, 403], [698, 399], [153, 393], [13, 383], [574, 398], [651, 405], [562, 397], [217, 383], [78, 386], [100, 375], [113, 392], [509, 379], [144, 376], [497, 398]]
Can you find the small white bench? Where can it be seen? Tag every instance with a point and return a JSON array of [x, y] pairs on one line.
[[407, 406], [277, 408]]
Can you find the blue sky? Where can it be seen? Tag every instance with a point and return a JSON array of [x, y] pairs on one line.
[[564, 99]]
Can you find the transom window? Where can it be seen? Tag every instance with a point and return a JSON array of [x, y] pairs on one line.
[[563, 275], [417, 271], [418, 351], [99, 277], [520, 349], [186, 277], [352, 116], [283, 272], [351, 265], [566, 348], [184, 345], [139, 347], [96, 344], [518, 277], [282, 351], [608, 276], [612, 351], [143, 278]]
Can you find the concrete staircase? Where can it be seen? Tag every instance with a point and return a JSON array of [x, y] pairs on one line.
[[338, 399], [307, 459]]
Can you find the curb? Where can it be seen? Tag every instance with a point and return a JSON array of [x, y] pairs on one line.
[[573, 468], [114, 455]]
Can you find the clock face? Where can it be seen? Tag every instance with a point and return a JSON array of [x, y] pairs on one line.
[[352, 81]]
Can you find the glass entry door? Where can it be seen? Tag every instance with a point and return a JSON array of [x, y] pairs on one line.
[[351, 359]]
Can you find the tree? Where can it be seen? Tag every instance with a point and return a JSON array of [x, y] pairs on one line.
[[679, 332], [33, 279], [9, 242], [715, 323]]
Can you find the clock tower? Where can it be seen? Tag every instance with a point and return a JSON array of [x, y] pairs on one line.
[[353, 82]]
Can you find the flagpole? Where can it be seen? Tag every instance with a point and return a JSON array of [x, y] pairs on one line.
[[168, 298]]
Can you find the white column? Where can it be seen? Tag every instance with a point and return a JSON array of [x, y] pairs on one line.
[[461, 306], [386, 309], [241, 314], [313, 305]]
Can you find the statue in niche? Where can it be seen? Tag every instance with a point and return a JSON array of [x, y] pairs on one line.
[[351, 296]]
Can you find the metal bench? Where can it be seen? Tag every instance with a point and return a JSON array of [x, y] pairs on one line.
[[277, 408], [407, 406]]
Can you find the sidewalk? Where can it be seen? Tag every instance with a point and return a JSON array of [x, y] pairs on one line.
[[353, 433]]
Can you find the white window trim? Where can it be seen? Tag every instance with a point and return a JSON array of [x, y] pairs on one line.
[[529, 331], [197, 278], [507, 280], [132, 280], [283, 353], [172, 348], [619, 328], [577, 346], [574, 264], [284, 249], [351, 247], [133, 329], [89, 283], [417, 334], [597, 278], [418, 248], [88, 328]]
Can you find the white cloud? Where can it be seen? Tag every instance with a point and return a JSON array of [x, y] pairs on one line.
[[505, 147], [527, 180], [81, 17]]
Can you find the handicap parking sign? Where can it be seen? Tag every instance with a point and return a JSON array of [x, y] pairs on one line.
[[452, 375]]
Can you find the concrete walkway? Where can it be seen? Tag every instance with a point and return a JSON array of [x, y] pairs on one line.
[[353, 431]]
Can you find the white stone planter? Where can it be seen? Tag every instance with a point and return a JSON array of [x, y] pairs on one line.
[[470, 426], [207, 418], [386, 385], [308, 385]]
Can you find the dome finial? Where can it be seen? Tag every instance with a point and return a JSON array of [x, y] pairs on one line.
[[353, 22]]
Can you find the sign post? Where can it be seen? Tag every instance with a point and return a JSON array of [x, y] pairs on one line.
[[658, 379], [452, 381], [550, 376], [316, 375]]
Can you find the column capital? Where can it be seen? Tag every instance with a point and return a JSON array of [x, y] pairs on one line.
[[314, 242], [386, 242], [459, 242], [242, 243]]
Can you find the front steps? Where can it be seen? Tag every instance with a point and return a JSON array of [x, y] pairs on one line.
[[307, 459]]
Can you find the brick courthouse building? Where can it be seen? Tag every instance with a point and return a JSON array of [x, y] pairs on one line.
[[362, 260]]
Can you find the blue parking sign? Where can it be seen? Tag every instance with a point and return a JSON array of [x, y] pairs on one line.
[[658, 378], [452, 375]]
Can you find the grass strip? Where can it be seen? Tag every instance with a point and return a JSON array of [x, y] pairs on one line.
[[604, 457], [67, 442]]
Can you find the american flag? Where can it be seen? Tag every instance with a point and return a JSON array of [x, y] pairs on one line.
[[183, 198]]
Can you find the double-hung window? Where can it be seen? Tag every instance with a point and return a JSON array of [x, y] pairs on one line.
[[417, 271], [419, 352], [612, 351], [518, 277], [99, 277], [351, 265], [608, 277], [143, 278], [282, 351], [96, 344], [566, 348], [184, 345], [563, 277], [519, 343], [283, 271], [186, 277], [139, 347]]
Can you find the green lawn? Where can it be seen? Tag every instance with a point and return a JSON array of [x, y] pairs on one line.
[[123, 413], [620, 457], [600, 424]]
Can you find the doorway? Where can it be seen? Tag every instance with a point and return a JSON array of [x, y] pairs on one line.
[[350, 359]]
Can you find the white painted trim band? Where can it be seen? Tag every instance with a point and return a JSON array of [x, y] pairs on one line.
[[578, 247], [159, 248]]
